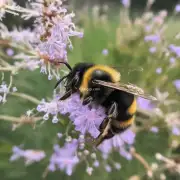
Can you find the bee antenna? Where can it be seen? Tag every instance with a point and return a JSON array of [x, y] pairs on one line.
[[64, 77], [67, 65]]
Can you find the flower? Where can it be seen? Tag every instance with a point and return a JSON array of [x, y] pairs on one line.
[[172, 60], [144, 104], [177, 8], [108, 168], [64, 158], [154, 38], [29, 155], [118, 142], [159, 70], [89, 170], [117, 166], [96, 163], [105, 52], [126, 3], [4, 90], [175, 49], [177, 84], [152, 50], [154, 129], [56, 37], [176, 131], [84, 118], [10, 52]]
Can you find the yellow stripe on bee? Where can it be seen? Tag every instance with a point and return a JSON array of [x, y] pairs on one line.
[[133, 107], [127, 123], [115, 75]]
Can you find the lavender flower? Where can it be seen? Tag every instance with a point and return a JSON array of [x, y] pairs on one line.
[[175, 49], [4, 90], [108, 168], [177, 84], [27, 64], [126, 3], [89, 170], [117, 142], [58, 38], [96, 163], [84, 118], [159, 70], [124, 153], [172, 60], [10, 52], [64, 158], [105, 52], [29, 155], [152, 50], [177, 8], [117, 166], [176, 131], [154, 129], [154, 38], [144, 104], [48, 108]]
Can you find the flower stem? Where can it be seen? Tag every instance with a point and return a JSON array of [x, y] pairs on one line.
[[142, 161], [27, 97]]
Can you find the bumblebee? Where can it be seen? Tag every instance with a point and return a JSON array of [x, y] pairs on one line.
[[100, 84]]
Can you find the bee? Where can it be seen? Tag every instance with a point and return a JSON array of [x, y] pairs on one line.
[[100, 84]]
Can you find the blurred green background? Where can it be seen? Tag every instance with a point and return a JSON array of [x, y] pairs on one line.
[[100, 32]]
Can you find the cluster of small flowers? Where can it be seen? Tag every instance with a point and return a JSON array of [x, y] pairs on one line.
[[30, 156], [4, 90], [49, 41], [86, 121]]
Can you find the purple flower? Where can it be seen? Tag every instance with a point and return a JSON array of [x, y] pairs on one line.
[[175, 49], [89, 170], [96, 163], [10, 52], [154, 129], [126, 3], [64, 158], [176, 131], [84, 118], [118, 141], [105, 52], [177, 8], [55, 47], [144, 104], [152, 38], [177, 84], [152, 50], [108, 168], [124, 153], [159, 70], [4, 91], [148, 28], [29, 155], [27, 64], [117, 166], [172, 60]]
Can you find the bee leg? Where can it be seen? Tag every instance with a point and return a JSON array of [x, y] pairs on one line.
[[87, 100], [66, 95], [107, 133], [105, 127], [113, 110]]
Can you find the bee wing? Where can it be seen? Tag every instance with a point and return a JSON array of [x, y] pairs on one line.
[[129, 88]]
